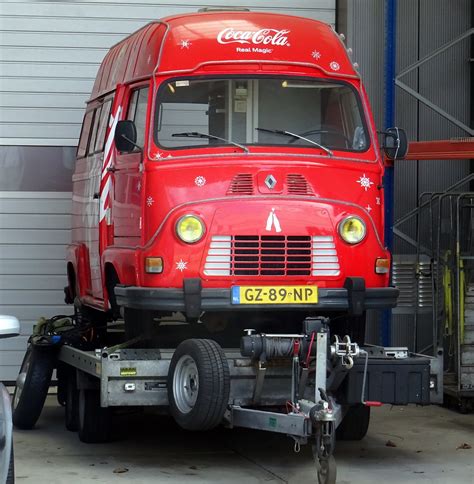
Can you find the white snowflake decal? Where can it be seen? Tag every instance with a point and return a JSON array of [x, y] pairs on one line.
[[150, 201], [181, 265], [334, 66], [200, 181], [185, 44], [377, 200], [365, 182], [316, 54], [368, 208]]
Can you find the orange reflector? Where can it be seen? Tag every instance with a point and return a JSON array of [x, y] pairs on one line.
[[382, 266], [154, 265]]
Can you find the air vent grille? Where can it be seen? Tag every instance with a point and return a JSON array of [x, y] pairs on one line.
[[298, 185], [242, 184]]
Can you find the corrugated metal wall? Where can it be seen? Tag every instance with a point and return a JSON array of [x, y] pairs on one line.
[[49, 55], [34, 232], [422, 27]]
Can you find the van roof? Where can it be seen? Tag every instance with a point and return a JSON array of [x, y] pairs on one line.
[[181, 44]]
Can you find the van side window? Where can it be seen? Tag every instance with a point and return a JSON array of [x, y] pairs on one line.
[[103, 122], [137, 112], [85, 134], [94, 131]]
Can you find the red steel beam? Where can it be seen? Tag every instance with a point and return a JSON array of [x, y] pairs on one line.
[[454, 149]]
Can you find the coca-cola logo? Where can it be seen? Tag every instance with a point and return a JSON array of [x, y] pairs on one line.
[[259, 37]]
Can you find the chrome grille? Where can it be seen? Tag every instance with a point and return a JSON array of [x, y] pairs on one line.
[[325, 259], [271, 255]]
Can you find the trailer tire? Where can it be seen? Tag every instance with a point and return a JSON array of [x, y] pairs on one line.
[[71, 408], [94, 421], [355, 423], [198, 384], [32, 386]]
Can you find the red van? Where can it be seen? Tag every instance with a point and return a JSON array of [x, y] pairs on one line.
[[228, 172]]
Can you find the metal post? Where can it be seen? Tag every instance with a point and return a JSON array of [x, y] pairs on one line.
[[390, 65], [320, 374]]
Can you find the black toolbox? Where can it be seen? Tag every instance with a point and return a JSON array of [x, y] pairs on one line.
[[389, 380]]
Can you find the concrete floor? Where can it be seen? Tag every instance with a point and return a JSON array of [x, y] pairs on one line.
[[155, 450]]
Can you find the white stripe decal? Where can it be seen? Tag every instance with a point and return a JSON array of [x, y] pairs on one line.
[[106, 179]]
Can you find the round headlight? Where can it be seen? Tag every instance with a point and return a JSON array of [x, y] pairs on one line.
[[352, 230], [190, 229]]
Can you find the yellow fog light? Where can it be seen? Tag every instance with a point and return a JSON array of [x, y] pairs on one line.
[[382, 266], [154, 265], [190, 229], [352, 230]]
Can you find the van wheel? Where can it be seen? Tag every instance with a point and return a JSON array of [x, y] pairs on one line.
[[71, 408], [355, 423], [198, 384], [32, 386], [94, 421]]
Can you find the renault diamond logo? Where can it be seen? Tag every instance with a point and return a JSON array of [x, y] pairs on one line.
[[270, 181]]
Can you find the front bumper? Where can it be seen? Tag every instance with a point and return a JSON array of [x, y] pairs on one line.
[[353, 298]]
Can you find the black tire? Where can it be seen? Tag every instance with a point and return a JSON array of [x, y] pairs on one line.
[[71, 408], [327, 471], [204, 408], [355, 423], [11, 468], [94, 421], [32, 386]]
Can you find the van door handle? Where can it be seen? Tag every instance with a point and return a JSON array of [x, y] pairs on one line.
[[96, 195], [112, 169]]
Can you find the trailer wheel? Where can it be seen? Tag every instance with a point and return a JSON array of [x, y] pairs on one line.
[[71, 408], [94, 421], [327, 471], [355, 423], [32, 386], [198, 384]]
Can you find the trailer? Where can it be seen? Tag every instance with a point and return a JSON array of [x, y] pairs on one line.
[[303, 385]]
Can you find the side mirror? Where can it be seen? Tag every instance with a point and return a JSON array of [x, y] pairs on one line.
[[126, 136], [395, 143], [9, 326]]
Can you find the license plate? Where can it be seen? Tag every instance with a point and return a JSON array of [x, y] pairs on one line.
[[274, 294]]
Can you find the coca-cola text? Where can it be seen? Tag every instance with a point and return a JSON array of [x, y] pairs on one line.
[[262, 36]]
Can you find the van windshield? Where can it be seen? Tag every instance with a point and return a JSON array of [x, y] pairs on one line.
[[320, 113]]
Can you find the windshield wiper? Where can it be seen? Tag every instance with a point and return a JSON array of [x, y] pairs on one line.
[[195, 134], [294, 135]]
